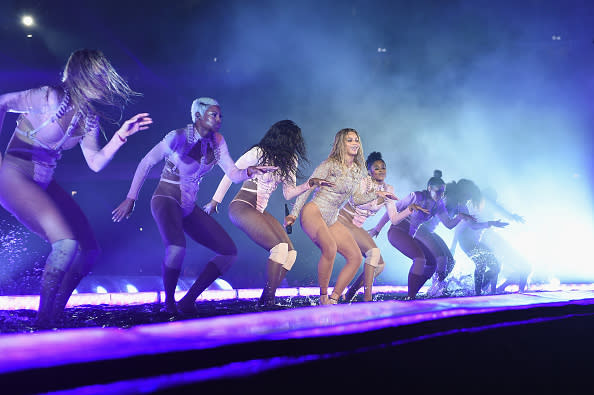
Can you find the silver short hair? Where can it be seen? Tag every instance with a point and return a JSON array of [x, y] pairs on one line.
[[200, 105]]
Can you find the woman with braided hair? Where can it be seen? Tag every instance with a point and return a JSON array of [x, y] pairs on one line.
[[282, 146], [53, 119], [189, 153]]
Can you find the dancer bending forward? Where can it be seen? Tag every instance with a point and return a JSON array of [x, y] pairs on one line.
[[189, 154], [344, 169], [282, 146], [353, 216], [427, 251], [52, 120]]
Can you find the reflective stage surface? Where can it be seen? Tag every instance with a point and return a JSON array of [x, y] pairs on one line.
[[137, 348]]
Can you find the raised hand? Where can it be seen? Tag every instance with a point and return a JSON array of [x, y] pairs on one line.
[[136, 123], [211, 207], [124, 210]]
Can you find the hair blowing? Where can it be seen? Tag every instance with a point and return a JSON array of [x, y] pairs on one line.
[[92, 82], [281, 146]]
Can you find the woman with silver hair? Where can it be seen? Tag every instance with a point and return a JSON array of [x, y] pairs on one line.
[[189, 153], [53, 119], [344, 170], [283, 146]]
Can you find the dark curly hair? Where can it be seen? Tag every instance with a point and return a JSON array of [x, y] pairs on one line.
[[281, 145], [462, 191], [373, 157]]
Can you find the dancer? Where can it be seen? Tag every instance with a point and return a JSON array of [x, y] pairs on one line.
[[460, 195], [54, 119], [516, 269], [344, 169], [353, 216], [189, 153], [282, 146], [426, 249]]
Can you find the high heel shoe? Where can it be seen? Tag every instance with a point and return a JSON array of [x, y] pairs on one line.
[[331, 300]]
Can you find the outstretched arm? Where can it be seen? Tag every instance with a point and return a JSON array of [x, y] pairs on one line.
[[155, 155], [380, 225], [248, 159], [487, 224], [448, 221], [320, 172], [290, 188], [97, 158], [233, 172], [290, 191], [395, 216]]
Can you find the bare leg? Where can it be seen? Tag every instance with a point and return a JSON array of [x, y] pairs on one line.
[[317, 230], [347, 247], [203, 229], [169, 218], [80, 267], [39, 211], [362, 280], [88, 251], [373, 260], [401, 240], [267, 232], [171, 269]]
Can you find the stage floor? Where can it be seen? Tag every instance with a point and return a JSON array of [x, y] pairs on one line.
[[248, 344]]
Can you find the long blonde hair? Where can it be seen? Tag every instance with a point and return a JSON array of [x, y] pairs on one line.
[[338, 152], [91, 80]]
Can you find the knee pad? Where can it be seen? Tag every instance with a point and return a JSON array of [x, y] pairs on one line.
[[418, 266], [372, 257], [291, 258], [224, 262], [62, 255], [174, 256], [279, 253], [380, 268]]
